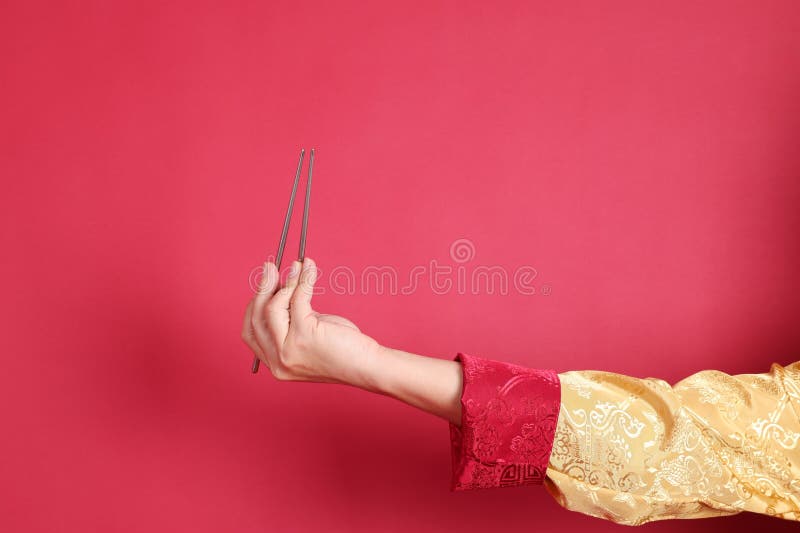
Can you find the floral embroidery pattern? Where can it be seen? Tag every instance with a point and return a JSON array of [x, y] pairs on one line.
[[508, 422]]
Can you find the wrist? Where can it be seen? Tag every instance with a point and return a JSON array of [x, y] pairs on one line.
[[357, 365], [372, 369]]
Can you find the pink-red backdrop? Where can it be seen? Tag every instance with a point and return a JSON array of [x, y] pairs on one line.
[[641, 156]]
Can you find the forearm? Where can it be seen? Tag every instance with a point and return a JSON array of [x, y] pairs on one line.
[[427, 383], [502, 417]]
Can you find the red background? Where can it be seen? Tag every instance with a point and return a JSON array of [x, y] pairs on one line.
[[641, 156]]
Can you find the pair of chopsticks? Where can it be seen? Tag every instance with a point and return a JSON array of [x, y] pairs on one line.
[[302, 252]]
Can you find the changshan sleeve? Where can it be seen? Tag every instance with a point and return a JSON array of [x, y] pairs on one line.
[[633, 450], [508, 421]]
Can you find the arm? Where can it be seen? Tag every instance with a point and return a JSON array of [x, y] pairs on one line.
[[501, 416], [625, 449], [616, 447]]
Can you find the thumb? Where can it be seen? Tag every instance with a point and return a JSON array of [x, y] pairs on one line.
[[300, 306]]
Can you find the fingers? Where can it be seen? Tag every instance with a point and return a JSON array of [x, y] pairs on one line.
[[300, 305], [248, 335], [277, 310], [269, 282], [268, 316], [247, 327]]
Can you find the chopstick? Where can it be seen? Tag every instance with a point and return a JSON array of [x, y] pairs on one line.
[[288, 218], [302, 253]]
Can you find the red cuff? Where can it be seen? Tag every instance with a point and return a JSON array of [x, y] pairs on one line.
[[509, 415]]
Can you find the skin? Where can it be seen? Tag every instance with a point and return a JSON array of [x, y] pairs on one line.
[[297, 343]]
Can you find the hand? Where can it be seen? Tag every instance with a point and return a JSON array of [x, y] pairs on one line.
[[297, 343]]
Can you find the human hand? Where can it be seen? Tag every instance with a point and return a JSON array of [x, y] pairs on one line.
[[297, 343]]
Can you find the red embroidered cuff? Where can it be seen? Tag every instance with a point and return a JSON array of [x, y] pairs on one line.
[[509, 415]]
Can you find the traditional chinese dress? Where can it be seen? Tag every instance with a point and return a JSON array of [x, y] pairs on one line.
[[633, 450]]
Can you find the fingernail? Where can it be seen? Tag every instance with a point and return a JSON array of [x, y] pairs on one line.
[[264, 277], [295, 269]]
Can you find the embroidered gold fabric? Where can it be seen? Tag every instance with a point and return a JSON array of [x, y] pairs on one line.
[[636, 450]]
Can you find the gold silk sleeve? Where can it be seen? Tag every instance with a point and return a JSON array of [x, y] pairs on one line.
[[636, 450]]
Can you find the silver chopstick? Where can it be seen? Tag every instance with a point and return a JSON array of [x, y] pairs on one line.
[[302, 253], [285, 231]]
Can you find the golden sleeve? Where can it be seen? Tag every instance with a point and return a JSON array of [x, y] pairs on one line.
[[636, 450]]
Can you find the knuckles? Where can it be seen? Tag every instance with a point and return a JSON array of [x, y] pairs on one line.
[[273, 307], [280, 373], [287, 358], [288, 355], [292, 355]]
